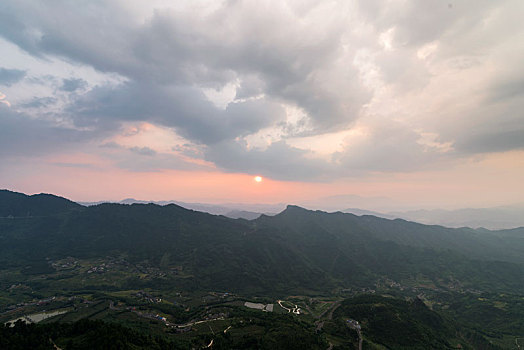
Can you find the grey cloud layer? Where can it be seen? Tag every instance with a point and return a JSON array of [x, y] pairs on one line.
[[173, 48], [73, 84], [280, 53], [9, 77], [21, 135], [183, 107]]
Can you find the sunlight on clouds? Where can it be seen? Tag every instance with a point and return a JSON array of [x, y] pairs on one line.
[[327, 144], [262, 139], [334, 88], [158, 142], [297, 122], [223, 96], [427, 50], [3, 100], [369, 71], [160, 139], [386, 39], [430, 141]]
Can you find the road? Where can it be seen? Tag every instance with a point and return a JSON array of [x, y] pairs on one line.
[[319, 324], [330, 315], [295, 310], [330, 311], [197, 322], [357, 328]]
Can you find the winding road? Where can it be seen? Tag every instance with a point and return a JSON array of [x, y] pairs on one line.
[[295, 310]]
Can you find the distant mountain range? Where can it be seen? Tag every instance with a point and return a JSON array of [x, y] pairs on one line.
[[495, 218], [231, 210], [295, 250], [490, 218], [504, 217]]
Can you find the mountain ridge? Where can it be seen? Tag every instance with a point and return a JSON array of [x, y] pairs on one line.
[[17, 204], [297, 249]]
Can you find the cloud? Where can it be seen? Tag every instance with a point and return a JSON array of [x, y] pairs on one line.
[[110, 145], [143, 151], [22, 135], [400, 71], [498, 127], [4, 101], [388, 146], [290, 61], [145, 159], [73, 165], [384, 146], [278, 161], [181, 107], [9, 77], [39, 102], [73, 84]]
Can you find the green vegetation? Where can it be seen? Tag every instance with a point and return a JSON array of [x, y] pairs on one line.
[[297, 251], [241, 330], [176, 278], [396, 323]]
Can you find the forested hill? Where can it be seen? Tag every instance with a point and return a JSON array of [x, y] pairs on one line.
[[504, 245], [14, 204], [295, 250]]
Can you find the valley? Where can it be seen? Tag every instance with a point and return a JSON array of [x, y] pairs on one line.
[[195, 280]]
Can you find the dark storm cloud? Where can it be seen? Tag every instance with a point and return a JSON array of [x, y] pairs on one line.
[[9, 77]]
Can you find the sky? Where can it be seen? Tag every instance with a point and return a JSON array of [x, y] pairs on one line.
[[385, 105]]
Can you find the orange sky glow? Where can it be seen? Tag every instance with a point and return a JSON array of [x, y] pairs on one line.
[[333, 104]]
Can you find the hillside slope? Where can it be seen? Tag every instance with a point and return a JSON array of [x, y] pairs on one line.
[[296, 250]]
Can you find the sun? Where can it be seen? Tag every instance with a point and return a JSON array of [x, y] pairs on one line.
[[258, 178]]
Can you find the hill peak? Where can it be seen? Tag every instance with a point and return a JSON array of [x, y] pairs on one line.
[[18, 204], [294, 209]]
